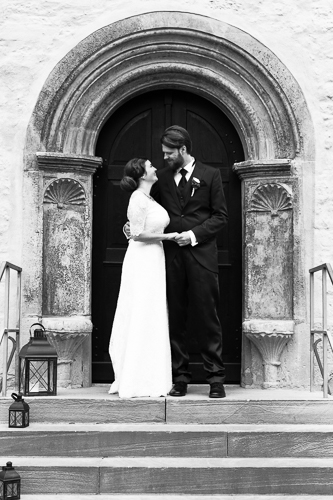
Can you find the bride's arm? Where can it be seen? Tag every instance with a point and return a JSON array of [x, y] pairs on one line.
[[137, 213], [148, 236]]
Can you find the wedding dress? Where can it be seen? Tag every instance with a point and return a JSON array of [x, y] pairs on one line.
[[139, 345]]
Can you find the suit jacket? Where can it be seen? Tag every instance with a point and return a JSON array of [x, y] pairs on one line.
[[205, 213]]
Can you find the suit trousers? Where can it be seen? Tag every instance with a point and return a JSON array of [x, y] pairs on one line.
[[191, 284]]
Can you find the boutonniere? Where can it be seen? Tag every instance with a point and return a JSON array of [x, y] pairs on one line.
[[195, 185]]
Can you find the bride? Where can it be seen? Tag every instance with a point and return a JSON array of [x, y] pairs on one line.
[[139, 345]]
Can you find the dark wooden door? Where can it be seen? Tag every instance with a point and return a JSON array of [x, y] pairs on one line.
[[132, 131]]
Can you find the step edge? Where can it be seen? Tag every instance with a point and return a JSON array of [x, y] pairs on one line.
[[168, 428], [170, 462], [171, 496]]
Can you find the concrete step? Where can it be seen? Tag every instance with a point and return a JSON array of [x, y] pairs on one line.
[[241, 406], [205, 476], [252, 411], [168, 440], [112, 440], [106, 409]]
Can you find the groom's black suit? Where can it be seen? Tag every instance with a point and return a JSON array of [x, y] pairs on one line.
[[192, 271]]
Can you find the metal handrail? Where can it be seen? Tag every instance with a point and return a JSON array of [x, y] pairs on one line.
[[327, 339], [5, 269]]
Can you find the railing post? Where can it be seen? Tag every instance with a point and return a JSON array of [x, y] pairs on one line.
[[325, 366], [5, 334], [324, 291], [311, 331], [18, 326], [324, 323]]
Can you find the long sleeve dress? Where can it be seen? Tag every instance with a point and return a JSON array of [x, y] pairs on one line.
[[139, 344]]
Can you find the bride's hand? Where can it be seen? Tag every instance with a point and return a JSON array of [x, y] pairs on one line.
[[171, 236]]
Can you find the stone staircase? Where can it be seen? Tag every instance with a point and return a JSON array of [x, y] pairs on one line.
[[253, 444]]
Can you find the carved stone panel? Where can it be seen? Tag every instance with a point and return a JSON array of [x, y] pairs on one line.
[[269, 248], [65, 228]]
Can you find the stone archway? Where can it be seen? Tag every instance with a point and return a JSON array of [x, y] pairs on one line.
[[260, 96]]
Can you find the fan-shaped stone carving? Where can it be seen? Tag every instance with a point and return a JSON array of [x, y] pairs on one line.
[[270, 346], [271, 198], [65, 192], [66, 345]]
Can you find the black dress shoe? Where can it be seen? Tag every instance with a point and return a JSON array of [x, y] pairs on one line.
[[217, 390], [178, 389]]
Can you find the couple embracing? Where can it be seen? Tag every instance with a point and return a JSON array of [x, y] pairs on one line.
[[185, 210]]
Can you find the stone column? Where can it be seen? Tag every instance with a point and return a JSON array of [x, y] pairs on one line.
[[267, 193], [67, 242]]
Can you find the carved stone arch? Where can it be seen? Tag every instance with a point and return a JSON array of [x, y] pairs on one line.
[[189, 52], [182, 50]]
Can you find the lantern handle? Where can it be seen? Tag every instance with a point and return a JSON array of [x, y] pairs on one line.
[[39, 324], [17, 397]]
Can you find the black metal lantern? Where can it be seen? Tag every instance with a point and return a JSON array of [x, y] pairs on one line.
[[18, 412], [10, 483], [38, 366]]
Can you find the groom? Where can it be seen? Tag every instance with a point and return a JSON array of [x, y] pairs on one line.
[[192, 194]]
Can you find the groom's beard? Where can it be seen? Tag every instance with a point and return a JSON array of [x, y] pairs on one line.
[[176, 163]]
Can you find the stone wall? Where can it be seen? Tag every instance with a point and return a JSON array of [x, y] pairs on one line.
[[36, 35]]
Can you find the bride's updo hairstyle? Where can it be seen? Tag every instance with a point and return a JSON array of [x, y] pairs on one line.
[[133, 171]]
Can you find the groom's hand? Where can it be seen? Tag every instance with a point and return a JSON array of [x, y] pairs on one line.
[[183, 239]]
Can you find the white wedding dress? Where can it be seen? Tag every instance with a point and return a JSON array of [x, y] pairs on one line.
[[139, 345]]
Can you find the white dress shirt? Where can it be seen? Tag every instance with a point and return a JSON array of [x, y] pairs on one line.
[[189, 168]]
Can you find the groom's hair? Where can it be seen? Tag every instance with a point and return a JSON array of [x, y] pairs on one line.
[[177, 137]]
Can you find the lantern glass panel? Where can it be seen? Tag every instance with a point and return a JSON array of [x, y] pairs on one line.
[[1, 491], [51, 376], [22, 376], [12, 490], [16, 418], [38, 376], [38, 379]]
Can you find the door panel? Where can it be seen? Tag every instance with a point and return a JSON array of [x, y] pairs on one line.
[[134, 131]]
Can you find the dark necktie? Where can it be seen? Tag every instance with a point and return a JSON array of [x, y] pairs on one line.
[[183, 180]]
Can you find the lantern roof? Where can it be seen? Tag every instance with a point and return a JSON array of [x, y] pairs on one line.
[[38, 347], [8, 473], [19, 403]]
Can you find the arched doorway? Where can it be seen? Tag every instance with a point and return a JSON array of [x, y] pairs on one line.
[[134, 130], [256, 91]]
